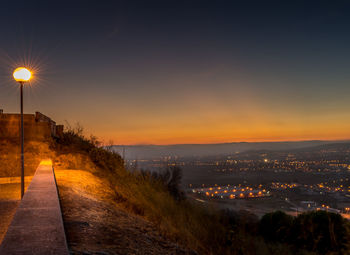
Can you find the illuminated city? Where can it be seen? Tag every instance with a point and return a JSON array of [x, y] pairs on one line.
[[294, 181]]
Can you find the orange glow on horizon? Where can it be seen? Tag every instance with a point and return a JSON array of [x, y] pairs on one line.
[[200, 118], [147, 140], [186, 128]]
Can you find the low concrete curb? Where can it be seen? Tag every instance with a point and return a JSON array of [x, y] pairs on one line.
[[37, 226]]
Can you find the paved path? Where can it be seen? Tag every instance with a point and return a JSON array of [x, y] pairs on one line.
[[37, 226]]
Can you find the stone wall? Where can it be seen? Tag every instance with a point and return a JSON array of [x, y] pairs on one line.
[[36, 126]]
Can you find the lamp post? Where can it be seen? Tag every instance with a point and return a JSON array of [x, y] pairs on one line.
[[22, 75]]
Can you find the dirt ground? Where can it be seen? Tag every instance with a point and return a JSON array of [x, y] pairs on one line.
[[96, 225], [9, 200], [7, 210]]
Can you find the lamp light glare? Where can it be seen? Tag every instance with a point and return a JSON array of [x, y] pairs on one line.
[[22, 74]]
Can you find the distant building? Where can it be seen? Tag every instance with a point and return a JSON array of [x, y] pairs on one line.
[[36, 126], [309, 205]]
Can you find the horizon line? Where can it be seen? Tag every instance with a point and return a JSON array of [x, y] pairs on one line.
[[268, 141]]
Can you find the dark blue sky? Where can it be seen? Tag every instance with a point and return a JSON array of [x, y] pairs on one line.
[[183, 71]]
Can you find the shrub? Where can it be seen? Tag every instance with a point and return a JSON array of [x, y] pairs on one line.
[[73, 140], [317, 232], [275, 226], [170, 178], [106, 159], [321, 232]]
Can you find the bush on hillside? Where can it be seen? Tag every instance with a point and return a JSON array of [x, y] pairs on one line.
[[170, 178], [73, 140], [321, 232], [276, 226], [317, 231], [106, 159]]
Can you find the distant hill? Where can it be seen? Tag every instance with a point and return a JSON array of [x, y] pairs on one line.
[[338, 147], [186, 150]]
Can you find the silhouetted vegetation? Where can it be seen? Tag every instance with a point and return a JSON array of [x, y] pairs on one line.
[[105, 159], [318, 231], [170, 178], [321, 232], [73, 140], [276, 227]]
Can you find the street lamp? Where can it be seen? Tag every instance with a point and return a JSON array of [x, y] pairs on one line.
[[22, 75]]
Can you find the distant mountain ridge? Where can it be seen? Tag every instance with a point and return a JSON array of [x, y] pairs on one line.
[[186, 150]]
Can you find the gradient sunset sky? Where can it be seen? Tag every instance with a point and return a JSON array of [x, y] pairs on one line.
[[169, 72]]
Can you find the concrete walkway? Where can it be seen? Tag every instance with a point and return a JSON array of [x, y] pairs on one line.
[[37, 226]]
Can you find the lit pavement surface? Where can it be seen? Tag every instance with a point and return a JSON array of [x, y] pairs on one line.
[[37, 226]]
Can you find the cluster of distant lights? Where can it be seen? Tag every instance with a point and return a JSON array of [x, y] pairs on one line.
[[232, 192], [323, 207], [326, 186], [277, 185], [322, 186], [328, 208]]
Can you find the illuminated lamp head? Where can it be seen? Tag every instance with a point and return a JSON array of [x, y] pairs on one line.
[[22, 74]]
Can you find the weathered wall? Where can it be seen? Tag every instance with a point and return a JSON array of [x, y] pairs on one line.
[[36, 127]]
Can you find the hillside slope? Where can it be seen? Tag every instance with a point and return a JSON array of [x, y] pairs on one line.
[[95, 224]]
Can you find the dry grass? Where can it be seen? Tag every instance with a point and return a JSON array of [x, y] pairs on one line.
[[11, 191], [181, 221], [74, 161], [96, 224], [85, 184]]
